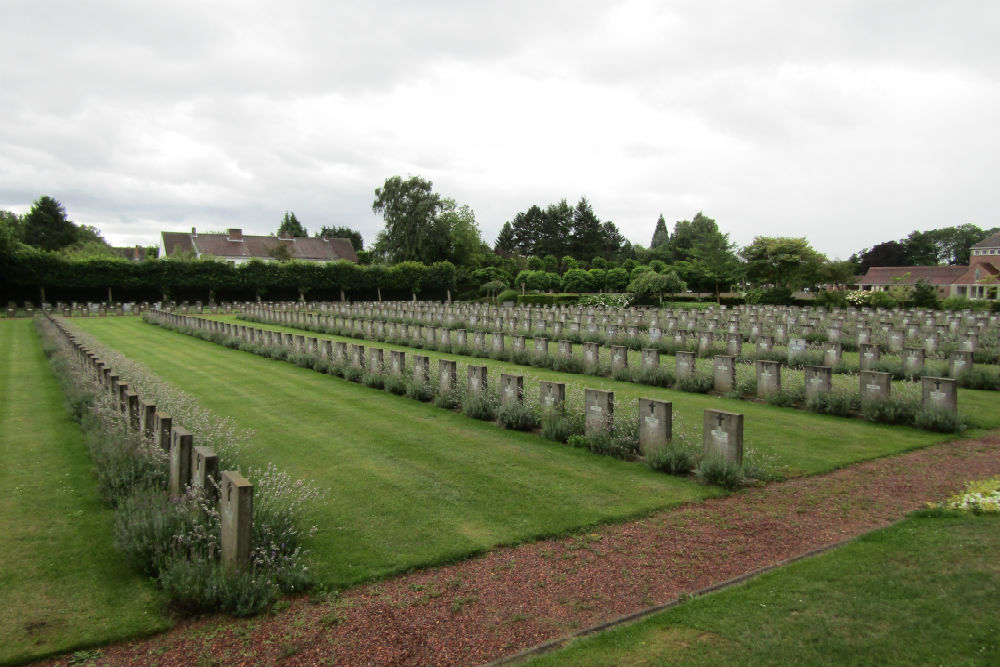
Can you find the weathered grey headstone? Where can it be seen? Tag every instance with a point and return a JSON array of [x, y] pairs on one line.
[[357, 355], [447, 375], [565, 349], [684, 362], [819, 380], [476, 380], [375, 358], [619, 358], [204, 469], [496, 339], [134, 416], [704, 342], [655, 424], [723, 436], [833, 352], [959, 363], [552, 394], [599, 407], [875, 386], [724, 373], [869, 356], [591, 353], [236, 519], [517, 343], [511, 389], [650, 358], [421, 369], [541, 346], [764, 344], [180, 460], [939, 393], [913, 360], [340, 351], [479, 340], [164, 424], [734, 344], [147, 417], [768, 378], [397, 361], [796, 348]]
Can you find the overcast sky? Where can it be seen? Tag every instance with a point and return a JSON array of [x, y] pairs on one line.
[[849, 123]]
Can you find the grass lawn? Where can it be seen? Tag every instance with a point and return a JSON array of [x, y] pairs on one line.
[[806, 442], [64, 586], [922, 592], [409, 484]]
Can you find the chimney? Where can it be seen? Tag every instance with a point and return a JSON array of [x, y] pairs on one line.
[[235, 234]]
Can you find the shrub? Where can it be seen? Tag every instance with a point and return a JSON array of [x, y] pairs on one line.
[[655, 377], [673, 459], [839, 403], [979, 378], [697, 383], [785, 398], [517, 417], [623, 374], [353, 373], [567, 364], [939, 421], [419, 391], [197, 586], [559, 425], [890, 410], [373, 380], [718, 471], [480, 406], [395, 384]]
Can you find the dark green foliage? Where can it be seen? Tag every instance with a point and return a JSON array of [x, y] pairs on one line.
[[672, 459], [891, 410], [480, 406], [199, 586], [836, 403], [720, 472], [373, 380], [980, 378], [395, 384], [655, 377], [559, 425], [698, 383], [517, 417], [939, 421]]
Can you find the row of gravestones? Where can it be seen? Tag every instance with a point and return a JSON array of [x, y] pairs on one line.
[[190, 466], [913, 358], [767, 334], [723, 434]]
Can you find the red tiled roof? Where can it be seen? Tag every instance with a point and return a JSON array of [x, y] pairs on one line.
[[261, 247], [988, 242], [909, 275]]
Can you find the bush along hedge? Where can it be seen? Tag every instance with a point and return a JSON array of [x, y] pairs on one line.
[[843, 400], [447, 387], [175, 534]]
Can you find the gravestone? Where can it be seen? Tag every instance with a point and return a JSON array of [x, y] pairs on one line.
[[236, 519], [704, 342], [204, 469], [476, 380], [357, 355], [764, 345], [164, 424], [181, 442], [551, 394], [869, 356], [340, 351], [734, 344], [875, 386], [496, 339], [684, 362], [565, 349], [655, 424], [421, 369], [619, 358], [599, 406], [939, 393], [723, 436], [959, 363], [511, 389], [833, 352], [724, 373], [447, 375], [590, 354], [397, 362], [147, 415], [913, 360], [768, 378], [461, 337], [517, 342], [375, 358], [796, 348], [479, 340], [819, 380], [650, 358]]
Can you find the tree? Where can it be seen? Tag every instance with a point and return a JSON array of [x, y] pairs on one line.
[[686, 234], [890, 253], [648, 283], [782, 261], [413, 230], [291, 227], [660, 233], [46, 226], [616, 279], [578, 280], [714, 258], [586, 239], [505, 244], [466, 240], [354, 236]]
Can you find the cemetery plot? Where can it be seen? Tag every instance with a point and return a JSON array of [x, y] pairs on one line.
[[64, 585], [804, 441], [409, 484]]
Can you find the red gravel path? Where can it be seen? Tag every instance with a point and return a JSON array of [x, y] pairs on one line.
[[514, 598]]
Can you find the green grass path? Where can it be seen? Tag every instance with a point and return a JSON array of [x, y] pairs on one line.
[[62, 583], [409, 484]]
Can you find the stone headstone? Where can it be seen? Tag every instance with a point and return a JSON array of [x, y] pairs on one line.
[[476, 380], [204, 469], [565, 349], [511, 389], [397, 362], [768, 378], [591, 354], [357, 355], [655, 424], [734, 344], [541, 346], [818, 379], [684, 362], [875, 386], [236, 519], [375, 358], [959, 363], [650, 358], [724, 373], [552, 394], [939, 393], [913, 360], [599, 406], [833, 352], [619, 358], [447, 375], [764, 344], [723, 436], [181, 442], [496, 341], [421, 369], [796, 348]]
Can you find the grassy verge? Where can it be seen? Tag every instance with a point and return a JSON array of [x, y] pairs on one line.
[[63, 584], [409, 484], [921, 592]]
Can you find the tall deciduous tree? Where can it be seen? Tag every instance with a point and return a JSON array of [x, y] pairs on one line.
[[290, 226], [413, 229], [782, 261]]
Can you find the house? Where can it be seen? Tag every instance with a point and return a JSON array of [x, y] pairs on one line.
[[979, 280], [236, 248]]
